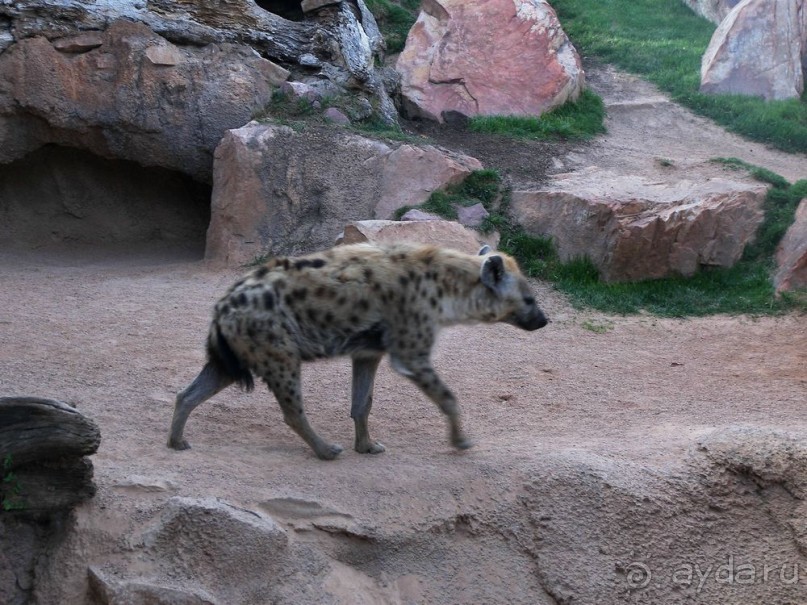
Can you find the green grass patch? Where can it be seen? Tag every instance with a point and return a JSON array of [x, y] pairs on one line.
[[663, 41], [580, 120], [10, 489], [481, 186], [394, 19]]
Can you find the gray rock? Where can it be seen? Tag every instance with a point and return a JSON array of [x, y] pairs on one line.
[[791, 254], [332, 114], [472, 216]]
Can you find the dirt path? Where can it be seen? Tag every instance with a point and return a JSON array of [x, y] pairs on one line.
[[118, 334]]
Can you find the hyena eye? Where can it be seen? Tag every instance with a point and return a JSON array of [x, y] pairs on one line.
[[529, 300]]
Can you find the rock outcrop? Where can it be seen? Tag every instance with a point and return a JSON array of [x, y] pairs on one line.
[[44, 474], [633, 229], [791, 254], [277, 191], [759, 49], [565, 526], [159, 83], [487, 58], [130, 94]]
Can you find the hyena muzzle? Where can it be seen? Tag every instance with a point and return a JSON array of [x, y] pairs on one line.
[[364, 301]]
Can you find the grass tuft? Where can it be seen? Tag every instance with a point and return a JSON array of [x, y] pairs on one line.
[[394, 20], [481, 186], [579, 120]]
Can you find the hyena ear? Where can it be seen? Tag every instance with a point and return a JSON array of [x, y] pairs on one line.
[[485, 250], [493, 272]]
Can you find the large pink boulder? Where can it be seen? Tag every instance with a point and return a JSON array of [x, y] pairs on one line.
[[757, 50], [791, 255], [488, 57]]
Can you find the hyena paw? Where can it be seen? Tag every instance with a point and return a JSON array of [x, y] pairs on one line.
[[179, 444], [462, 443], [329, 451], [372, 447]]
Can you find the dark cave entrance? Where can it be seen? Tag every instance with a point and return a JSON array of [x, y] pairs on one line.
[[58, 198], [288, 10]]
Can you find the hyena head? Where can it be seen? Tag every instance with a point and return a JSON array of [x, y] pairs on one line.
[[507, 293]]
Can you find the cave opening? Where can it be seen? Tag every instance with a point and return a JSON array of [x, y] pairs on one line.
[[291, 11], [59, 199]]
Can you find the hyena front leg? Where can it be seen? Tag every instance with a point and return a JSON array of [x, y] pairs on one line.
[[284, 382], [418, 368], [364, 369], [209, 382]]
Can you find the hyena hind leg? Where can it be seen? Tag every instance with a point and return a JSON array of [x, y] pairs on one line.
[[364, 369], [284, 383], [209, 382]]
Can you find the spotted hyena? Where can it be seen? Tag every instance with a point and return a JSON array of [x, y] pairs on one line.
[[361, 300]]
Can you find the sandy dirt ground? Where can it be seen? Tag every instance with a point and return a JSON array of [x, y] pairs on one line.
[[118, 333]]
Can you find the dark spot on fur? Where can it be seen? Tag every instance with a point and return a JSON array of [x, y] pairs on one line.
[[239, 300], [261, 272], [368, 273], [225, 309], [439, 293], [268, 300], [433, 302], [329, 317], [280, 284], [299, 294], [404, 280], [354, 319], [312, 314], [363, 305], [302, 264], [341, 300]]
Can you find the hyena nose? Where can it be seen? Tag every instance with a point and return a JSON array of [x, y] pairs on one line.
[[539, 321], [535, 321]]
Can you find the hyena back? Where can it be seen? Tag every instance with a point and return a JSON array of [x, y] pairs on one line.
[[361, 300]]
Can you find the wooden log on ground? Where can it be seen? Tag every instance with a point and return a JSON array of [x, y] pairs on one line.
[[35, 429]]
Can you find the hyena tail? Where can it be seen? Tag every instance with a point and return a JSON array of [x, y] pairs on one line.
[[226, 361]]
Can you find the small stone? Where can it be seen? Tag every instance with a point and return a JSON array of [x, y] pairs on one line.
[[419, 215], [164, 54], [78, 44], [332, 114], [472, 216]]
